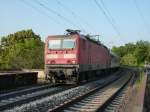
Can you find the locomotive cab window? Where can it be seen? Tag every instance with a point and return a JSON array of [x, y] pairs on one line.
[[54, 44], [68, 43]]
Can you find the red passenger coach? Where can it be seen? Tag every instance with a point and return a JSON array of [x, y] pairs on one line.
[[73, 58]]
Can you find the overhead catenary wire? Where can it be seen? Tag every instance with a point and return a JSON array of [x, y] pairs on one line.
[[40, 11], [106, 9], [141, 15], [112, 19], [75, 15], [71, 12], [56, 13], [109, 18]]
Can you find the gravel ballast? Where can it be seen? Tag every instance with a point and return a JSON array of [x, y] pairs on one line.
[[50, 102]]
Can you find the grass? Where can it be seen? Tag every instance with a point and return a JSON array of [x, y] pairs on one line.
[[139, 79]]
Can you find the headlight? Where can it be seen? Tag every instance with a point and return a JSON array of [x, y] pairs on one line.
[[69, 55], [73, 61], [52, 56]]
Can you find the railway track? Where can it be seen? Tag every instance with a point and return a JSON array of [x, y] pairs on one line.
[[53, 100], [24, 90], [117, 103], [14, 98], [113, 103], [97, 99]]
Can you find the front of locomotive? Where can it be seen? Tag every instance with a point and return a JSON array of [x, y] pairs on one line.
[[61, 58]]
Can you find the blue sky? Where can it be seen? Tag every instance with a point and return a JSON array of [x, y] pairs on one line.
[[131, 22]]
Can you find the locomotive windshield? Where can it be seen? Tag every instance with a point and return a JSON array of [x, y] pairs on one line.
[[54, 44], [61, 44], [68, 43]]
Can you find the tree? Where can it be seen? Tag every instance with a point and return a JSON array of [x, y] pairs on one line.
[[129, 59], [141, 51], [23, 49], [134, 54]]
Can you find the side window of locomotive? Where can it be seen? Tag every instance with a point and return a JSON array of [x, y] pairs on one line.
[[54, 44], [68, 43]]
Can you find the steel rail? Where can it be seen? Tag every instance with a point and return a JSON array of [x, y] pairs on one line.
[[87, 101]]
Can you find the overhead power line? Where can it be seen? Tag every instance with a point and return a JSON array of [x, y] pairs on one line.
[[56, 13], [69, 10], [108, 18], [73, 13], [40, 11], [106, 9], [141, 15]]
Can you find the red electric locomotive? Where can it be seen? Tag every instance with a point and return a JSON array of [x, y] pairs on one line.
[[74, 58]]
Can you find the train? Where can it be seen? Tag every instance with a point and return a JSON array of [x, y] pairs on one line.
[[74, 58]]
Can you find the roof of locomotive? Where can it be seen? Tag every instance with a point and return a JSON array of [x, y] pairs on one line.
[[86, 37], [58, 36]]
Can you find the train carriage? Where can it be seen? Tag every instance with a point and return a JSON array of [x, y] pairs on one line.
[[74, 58]]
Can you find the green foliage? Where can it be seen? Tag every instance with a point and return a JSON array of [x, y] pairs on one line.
[[139, 79], [134, 54], [129, 59], [23, 49]]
